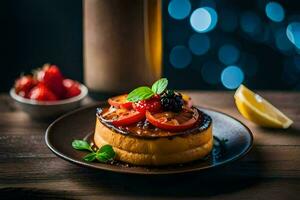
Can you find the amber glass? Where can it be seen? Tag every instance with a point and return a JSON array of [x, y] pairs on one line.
[[122, 44]]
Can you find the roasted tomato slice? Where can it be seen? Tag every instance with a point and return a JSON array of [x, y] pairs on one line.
[[121, 116], [172, 121], [120, 102]]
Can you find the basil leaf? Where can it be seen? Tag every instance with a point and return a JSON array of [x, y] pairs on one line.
[[107, 149], [81, 145], [140, 93], [105, 153], [103, 157], [90, 157], [160, 85]]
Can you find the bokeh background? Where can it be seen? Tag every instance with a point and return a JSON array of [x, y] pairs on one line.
[[208, 44]]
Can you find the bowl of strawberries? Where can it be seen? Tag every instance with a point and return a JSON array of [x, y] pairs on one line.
[[47, 93]]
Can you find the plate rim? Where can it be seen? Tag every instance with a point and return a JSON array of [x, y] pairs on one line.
[[125, 171]]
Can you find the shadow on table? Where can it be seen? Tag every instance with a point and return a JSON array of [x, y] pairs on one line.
[[32, 194], [234, 177], [292, 131]]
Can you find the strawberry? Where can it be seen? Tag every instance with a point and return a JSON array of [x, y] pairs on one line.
[[24, 84], [42, 93], [51, 76], [72, 88], [153, 105]]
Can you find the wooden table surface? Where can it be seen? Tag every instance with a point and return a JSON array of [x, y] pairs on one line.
[[270, 171]]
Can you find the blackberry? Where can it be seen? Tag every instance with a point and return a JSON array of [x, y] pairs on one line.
[[171, 101]]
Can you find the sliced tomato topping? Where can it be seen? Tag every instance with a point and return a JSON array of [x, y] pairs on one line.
[[172, 121], [122, 116], [153, 105], [120, 102]]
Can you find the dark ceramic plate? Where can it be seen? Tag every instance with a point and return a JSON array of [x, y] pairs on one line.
[[80, 124]]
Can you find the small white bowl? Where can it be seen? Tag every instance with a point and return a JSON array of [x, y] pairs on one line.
[[48, 109]]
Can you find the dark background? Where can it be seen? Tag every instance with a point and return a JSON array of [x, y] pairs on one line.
[[34, 32]]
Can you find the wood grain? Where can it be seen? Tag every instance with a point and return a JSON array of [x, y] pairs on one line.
[[270, 171]]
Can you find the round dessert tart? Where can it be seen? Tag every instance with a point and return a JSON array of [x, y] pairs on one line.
[[159, 138], [154, 126]]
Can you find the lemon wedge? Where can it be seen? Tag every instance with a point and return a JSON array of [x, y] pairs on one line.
[[258, 110]]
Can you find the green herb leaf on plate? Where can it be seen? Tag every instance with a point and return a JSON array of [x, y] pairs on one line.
[[105, 153], [160, 85], [103, 157], [140, 93], [81, 145], [107, 149], [90, 157]]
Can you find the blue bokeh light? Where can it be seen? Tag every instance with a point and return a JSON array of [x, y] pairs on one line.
[[211, 72], [200, 20], [228, 54], [281, 41], [250, 23], [214, 17], [293, 33], [180, 57], [204, 19], [179, 9], [274, 11], [232, 76], [199, 44], [228, 21]]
